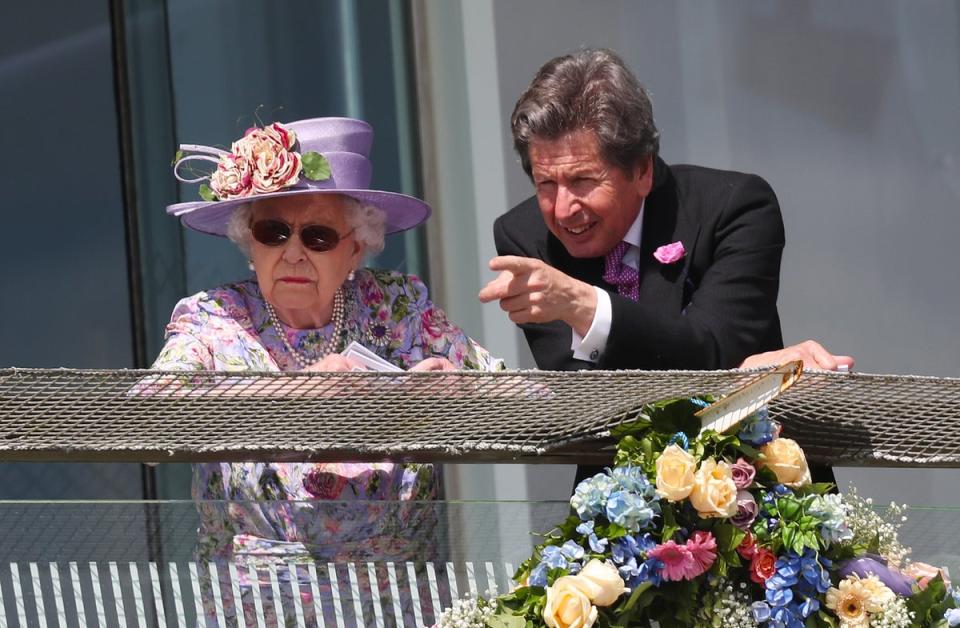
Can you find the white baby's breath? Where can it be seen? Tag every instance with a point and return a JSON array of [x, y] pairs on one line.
[[893, 614], [869, 523], [466, 613], [726, 605]]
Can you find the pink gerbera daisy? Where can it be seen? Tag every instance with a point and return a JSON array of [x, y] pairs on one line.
[[678, 562], [703, 548]]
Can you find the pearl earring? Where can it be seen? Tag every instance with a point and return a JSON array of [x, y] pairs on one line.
[[250, 265], [351, 275]]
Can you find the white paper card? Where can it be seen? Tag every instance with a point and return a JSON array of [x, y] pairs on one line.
[[366, 357]]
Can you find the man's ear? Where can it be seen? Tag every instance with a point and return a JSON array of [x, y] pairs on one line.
[[643, 176]]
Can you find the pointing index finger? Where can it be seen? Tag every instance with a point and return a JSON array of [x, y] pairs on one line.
[[498, 288], [514, 263]]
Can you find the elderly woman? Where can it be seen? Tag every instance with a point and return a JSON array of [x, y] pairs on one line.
[[295, 198]]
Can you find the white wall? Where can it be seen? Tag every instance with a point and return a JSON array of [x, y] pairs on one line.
[[849, 110]]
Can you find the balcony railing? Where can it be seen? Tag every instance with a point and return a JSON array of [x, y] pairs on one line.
[[531, 416], [134, 563]]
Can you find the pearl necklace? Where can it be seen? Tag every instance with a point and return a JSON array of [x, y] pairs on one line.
[[328, 344]]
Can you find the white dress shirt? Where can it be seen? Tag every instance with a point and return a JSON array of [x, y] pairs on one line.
[[591, 346]]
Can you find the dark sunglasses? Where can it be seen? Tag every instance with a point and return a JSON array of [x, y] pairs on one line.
[[318, 238]]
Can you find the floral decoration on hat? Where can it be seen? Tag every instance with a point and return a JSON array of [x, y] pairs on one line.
[[299, 157], [264, 160]]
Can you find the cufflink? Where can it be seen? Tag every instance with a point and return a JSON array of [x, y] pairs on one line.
[[595, 354]]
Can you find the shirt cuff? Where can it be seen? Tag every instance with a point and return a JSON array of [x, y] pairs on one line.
[[590, 347]]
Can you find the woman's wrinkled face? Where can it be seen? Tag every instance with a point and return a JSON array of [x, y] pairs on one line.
[[300, 283]]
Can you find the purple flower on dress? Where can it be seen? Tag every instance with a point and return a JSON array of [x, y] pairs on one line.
[[324, 483], [670, 253]]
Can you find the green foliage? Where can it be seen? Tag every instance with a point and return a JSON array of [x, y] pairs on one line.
[[766, 477], [930, 604], [524, 602], [674, 607], [670, 525], [566, 530], [633, 452], [633, 608], [674, 415], [315, 166], [177, 156], [206, 193], [717, 446], [822, 619], [795, 530], [820, 488], [506, 621]]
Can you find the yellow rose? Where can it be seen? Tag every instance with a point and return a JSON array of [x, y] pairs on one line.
[[601, 582], [714, 491], [568, 605], [784, 457], [675, 469]]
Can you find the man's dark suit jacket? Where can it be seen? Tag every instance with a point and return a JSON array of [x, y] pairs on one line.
[[710, 310]]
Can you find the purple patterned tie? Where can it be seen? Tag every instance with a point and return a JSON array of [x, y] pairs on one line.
[[624, 277]]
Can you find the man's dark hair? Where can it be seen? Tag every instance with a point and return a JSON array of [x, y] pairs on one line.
[[587, 90]]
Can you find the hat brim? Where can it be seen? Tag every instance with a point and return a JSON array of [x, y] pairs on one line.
[[403, 212]]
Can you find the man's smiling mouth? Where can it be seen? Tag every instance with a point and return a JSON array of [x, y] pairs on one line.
[[580, 229]]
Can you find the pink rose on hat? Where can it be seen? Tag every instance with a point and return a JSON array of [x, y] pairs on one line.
[[269, 152], [670, 253], [233, 178]]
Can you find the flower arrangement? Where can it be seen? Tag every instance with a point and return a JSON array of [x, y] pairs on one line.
[[693, 527], [264, 160]]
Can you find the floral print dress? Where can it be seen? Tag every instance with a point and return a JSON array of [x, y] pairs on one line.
[[282, 514]]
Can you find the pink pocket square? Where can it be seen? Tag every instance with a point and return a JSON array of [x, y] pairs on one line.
[[670, 253]]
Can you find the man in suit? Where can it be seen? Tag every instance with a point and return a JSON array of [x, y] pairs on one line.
[[621, 261]]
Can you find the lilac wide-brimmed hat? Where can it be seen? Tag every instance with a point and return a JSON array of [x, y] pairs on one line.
[[317, 156]]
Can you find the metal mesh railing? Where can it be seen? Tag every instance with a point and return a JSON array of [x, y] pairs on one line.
[[530, 416]]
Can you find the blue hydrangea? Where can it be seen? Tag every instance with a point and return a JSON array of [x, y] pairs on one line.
[[590, 496], [633, 479], [781, 491], [778, 597], [791, 593], [787, 616], [631, 510], [628, 553], [624, 548], [598, 545], [628, 569], [952, 616], [538, 577], [761, 612], [814, 577], [759, 429], [566, 556], [832, 513], [651, 571]]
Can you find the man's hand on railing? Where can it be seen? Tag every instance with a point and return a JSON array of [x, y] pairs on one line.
[[813, 354]]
